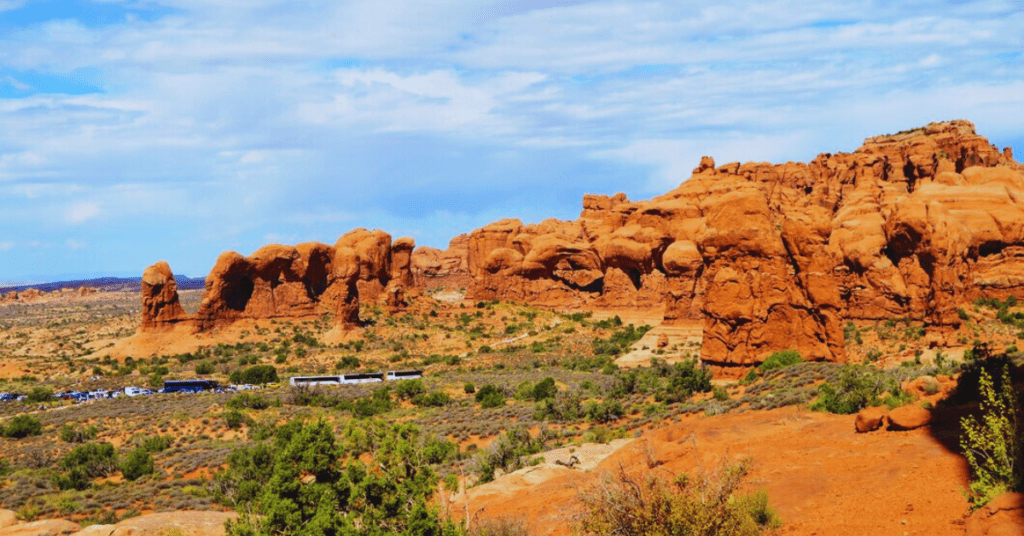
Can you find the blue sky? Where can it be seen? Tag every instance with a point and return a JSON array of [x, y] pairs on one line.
[[134, 131]]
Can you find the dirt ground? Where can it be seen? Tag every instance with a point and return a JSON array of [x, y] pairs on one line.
[[821, 476]]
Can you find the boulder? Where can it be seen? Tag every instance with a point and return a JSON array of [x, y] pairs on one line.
[[8, 518], [45, 527], [870, 419], [909, 417], [179, 523]]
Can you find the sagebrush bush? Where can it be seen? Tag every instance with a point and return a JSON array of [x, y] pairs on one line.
[[706, 504]]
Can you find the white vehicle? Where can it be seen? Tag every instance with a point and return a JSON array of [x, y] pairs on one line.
[[133, 391], [404, 375], [344, 379]]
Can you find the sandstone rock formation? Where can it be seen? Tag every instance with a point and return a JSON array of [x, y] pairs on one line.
[[279, 281], [769, 257], [774, 257], [160, 306]]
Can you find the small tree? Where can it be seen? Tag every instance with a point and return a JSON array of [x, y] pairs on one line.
[[993, 444], [22, 426], [138, 464], [311, 491]]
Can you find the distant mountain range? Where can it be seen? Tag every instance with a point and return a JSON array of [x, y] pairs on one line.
[[106, 284]]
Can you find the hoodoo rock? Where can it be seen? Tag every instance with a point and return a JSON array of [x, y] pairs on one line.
[[160, 306], [771, 256]]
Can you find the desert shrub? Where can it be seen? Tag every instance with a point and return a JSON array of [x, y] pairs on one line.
[[856, 388], [490, 396], [85, 462], [245, 400], [434, 399], [408, 389], [684, 379], [619, 340], [508, 452], [751, 377], [779, 360], [138, 464], [708, 505], [993, 444], [564, 406], [235, 419], [345, 497], [71, 433], [469, 388], [377, 403], [203, 368], [349, 362], [157, 443], [544, 389], [720, 394], [499, 527], [22, 426], [259, 374], [40, 394], [605, 411], [524, 391]]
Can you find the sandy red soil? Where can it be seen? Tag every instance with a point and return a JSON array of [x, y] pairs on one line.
[[821, 476]]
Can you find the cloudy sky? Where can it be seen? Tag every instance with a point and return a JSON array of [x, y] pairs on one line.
[[137, 130]]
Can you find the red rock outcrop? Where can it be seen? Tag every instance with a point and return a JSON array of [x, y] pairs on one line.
[[777, 256], [279, 281], [431, 266], [771, 257], [160, 306]]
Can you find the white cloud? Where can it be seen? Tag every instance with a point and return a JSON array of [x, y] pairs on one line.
[[82, 212], [6, 245], [232, 121], [75, 245]]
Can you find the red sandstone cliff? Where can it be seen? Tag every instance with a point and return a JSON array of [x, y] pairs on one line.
[[771, 257], [777, 256]]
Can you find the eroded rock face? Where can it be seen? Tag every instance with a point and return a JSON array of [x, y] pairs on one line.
[[771, 257], [774, 257], [279, 281]]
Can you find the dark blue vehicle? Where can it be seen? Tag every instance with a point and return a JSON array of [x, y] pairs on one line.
[[189, 386]]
